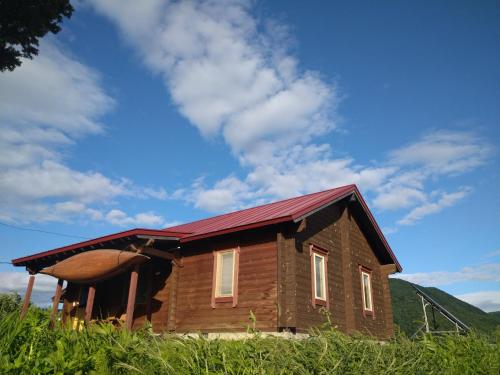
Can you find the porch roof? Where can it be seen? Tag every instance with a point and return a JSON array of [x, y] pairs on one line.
[[139, 233]]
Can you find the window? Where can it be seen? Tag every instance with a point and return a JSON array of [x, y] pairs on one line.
[[319, 259], [225, 274], [319, 276], [225, 281], [366, 291]]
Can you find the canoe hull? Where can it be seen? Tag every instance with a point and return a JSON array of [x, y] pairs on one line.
[[95, 265]]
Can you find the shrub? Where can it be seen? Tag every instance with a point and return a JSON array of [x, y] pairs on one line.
[[9, 303]]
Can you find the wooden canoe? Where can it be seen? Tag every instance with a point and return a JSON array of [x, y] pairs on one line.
[[95, 265]]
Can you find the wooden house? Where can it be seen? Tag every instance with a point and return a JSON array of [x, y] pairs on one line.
[[287, 262]]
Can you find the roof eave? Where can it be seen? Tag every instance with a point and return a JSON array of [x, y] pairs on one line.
[[137, 232], [302, 215], [377, 229]]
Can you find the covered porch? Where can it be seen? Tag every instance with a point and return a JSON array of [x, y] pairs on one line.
[[126, 278]]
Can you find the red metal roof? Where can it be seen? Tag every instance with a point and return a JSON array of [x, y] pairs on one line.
[[292, 209], [271, 213], [276, 212]]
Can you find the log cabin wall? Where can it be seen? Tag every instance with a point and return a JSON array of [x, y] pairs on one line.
[[337, 231], [274, 280], [387, 304], [160, 276], [257, 285], [287, 278], [362, 253], [322, 229]]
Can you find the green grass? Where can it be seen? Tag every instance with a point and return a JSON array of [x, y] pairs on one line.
[[30, 347]]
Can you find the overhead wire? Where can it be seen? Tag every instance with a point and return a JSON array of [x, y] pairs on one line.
[[43, 231], [39, 231]]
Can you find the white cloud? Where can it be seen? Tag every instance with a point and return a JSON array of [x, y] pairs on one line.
[[483, 272], [434, 156], [231, 75], [226, 194], [46, 105], [222, 72], [159, 193], [120, 218], [18, 281], [444, 152], [51, 179], [493, 254], [487, 301], [402, 189], [43, 288], [429, 208], [53, 90], [400, 197], [389, 230], [315, 175]]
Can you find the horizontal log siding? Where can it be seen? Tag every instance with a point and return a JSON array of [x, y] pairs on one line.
[[109, 298], [322, 229], [257, 285], [287, 279], [387, 306], [362, 254], [161, 282]]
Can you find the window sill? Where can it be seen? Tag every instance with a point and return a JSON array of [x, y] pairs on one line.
[[320, 302], [223, 299], [368, 313]]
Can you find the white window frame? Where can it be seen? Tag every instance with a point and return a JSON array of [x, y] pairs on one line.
[[370, 291], [323, 280], [218, 276], [316, 251]]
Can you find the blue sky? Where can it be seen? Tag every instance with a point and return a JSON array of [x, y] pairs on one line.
[[144, 114]]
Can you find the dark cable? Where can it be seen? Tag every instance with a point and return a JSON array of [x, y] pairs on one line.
[[43, 231]]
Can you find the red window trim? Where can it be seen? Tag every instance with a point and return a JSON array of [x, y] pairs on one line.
[[315, 249], [363, 269], [229, 299]]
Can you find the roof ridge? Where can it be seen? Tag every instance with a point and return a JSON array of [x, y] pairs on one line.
[[259, 206]]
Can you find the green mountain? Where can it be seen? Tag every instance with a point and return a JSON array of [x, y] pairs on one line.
[[408, 313], [495, 315]]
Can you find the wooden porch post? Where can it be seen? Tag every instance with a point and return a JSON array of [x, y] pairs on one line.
[[132, 290], [90, 304], [64, 313], [55, 303], [27, 296]]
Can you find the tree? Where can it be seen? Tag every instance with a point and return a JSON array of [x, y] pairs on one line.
[[23, 22], [9, 303]]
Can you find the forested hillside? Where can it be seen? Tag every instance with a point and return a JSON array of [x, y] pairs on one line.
[[408, 314]]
